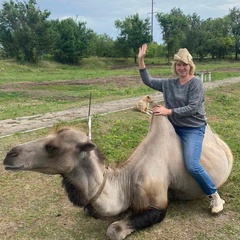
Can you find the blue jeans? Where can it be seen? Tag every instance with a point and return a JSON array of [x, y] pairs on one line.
[[192, 139]]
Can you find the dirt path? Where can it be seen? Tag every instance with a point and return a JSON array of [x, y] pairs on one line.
[[32, 123]]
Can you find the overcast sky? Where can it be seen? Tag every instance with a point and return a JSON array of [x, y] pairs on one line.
[[100, 15]]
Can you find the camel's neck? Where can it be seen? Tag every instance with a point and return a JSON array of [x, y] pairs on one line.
[[91, 183], [111, 195], [75, 195], [83, 182], [115, 197]]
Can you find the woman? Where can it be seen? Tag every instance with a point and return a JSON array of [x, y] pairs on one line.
[[184, 101]]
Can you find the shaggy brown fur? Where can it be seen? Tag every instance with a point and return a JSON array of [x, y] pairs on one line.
[[144, 104]]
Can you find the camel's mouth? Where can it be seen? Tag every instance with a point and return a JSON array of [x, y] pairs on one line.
[[13, 168]]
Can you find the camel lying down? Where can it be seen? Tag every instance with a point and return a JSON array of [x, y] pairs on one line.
[[140, 185]]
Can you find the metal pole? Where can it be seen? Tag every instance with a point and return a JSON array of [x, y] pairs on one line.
[[152, 22], [89, 118]]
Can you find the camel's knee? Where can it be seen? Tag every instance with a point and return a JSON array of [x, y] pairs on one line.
[[141, 220], [136, 221]]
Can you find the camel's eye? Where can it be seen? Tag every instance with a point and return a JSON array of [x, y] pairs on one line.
[[51, 149]]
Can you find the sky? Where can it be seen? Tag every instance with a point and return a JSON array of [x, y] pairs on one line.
[[100, 15]]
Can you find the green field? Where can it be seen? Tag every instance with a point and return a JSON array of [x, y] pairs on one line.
[[34, 206], [26, 90]]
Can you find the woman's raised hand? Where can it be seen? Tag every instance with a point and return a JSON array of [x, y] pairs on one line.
[[142, 51]]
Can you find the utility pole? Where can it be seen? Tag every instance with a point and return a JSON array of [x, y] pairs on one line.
[[152, 12], [152, 22]]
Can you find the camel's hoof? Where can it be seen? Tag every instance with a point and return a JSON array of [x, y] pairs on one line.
[[118, 231]]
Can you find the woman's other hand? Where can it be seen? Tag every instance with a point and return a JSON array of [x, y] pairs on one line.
[[161, 110]]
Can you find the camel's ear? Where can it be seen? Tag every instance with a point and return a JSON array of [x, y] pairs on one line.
[[87, 147]]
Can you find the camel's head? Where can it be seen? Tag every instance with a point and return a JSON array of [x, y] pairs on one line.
[[58, 153]]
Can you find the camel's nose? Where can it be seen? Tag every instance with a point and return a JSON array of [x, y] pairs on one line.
[[14, 152], [11, 160]]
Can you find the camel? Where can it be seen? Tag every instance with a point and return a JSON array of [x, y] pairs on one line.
[[140, 185]]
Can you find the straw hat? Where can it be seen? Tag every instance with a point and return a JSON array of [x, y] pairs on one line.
[[184, 56]]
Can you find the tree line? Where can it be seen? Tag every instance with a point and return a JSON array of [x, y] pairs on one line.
[[26, 33]]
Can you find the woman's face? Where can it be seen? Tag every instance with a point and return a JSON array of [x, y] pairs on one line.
[[182, 69]]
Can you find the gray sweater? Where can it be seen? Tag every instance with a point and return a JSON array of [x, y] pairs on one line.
[[186, 101]]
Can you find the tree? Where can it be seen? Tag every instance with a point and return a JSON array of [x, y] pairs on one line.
[[101, 45], [122, 49], [234, 26], [104, 45], [24, 30], [202, 46], [133, 33], [71, 40], [174, 26], [194, 34], [219, 42]]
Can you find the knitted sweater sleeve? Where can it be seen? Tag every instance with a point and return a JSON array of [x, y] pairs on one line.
[[151, 82]]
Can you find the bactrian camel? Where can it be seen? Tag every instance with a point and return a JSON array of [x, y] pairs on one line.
[[141, 185]]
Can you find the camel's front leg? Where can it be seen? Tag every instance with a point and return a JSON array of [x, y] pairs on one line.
[[137, 221]]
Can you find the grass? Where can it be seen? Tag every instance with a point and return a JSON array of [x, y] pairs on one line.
[[34, 206], [44, 71], [222, 106], [28, 101], [27, 89], [14, 72]]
